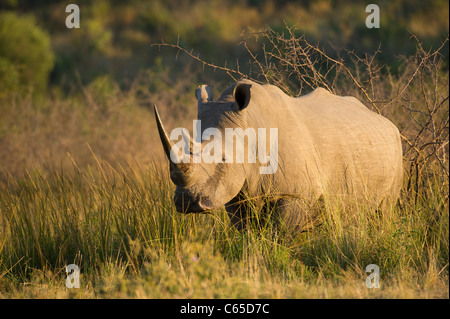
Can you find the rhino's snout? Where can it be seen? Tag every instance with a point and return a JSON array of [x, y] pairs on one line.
[[186, 203]]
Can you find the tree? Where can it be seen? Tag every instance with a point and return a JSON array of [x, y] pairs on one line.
[[26, 57]]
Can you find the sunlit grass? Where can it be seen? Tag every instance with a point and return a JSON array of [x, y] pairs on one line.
[[120, 226]]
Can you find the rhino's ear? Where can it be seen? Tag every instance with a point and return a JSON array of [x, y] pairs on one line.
[[242, 95], [203, 93]]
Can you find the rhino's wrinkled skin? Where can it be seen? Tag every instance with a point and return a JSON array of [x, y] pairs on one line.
[[329, 147]]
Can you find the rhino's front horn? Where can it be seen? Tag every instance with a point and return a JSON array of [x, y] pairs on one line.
[[166, 142], [179, 171]]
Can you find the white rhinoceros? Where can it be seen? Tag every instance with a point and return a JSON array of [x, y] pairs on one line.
[[328, 147]]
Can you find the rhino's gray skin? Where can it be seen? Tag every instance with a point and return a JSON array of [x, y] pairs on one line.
[[329, 147]]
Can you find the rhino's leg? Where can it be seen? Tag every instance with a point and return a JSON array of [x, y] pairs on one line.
[[298, 215], [288, 214], [237, 210]]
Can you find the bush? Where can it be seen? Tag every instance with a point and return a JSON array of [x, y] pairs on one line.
[[26, 58]]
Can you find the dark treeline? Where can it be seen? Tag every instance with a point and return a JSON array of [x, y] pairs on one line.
[[115, 37]]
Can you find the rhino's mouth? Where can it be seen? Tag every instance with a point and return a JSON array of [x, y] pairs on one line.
[[186, 203]]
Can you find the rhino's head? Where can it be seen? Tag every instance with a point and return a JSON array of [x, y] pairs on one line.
[[202, 186]]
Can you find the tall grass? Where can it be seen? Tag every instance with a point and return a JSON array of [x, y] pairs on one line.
[[120, 226]]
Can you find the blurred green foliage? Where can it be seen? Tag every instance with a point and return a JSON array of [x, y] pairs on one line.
[[115, 36], [26, 57]]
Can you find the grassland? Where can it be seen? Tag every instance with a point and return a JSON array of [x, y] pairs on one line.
[[83, 179], [119, 225], [114, 217]]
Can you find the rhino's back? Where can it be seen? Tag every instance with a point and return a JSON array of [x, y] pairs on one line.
[[348, 148]]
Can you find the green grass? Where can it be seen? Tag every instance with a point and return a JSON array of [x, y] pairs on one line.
[[120, 226]]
